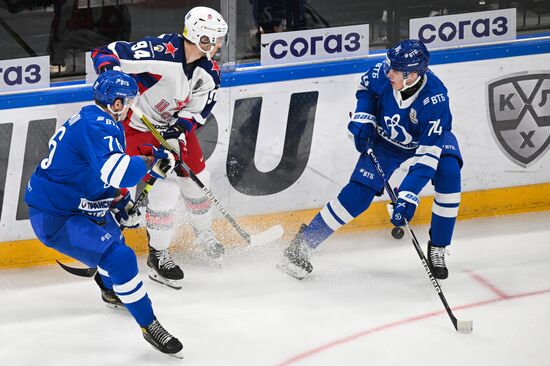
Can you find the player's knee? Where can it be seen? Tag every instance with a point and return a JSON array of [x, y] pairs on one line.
[[120, 262], [190, 189], [164, 195], [356, 198]]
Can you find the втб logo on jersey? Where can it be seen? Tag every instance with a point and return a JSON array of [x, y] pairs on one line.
[[519, 114], [395, 129]]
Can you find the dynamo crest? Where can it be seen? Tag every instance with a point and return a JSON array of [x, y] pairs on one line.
[[519, 114]]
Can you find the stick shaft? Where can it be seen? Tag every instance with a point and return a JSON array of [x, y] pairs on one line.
[[416, 245], [194, 178]]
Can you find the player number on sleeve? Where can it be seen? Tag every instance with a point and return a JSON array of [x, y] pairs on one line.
[[52, 144], [138, 50], [435, 128], [212, 96]]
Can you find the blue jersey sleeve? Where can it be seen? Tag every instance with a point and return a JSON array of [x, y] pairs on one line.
[[103, 147], [435, 119], [367, 99]]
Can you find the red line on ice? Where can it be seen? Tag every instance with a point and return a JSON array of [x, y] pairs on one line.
[[502, 296]]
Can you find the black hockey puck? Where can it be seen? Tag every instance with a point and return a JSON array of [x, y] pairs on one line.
[[397, 232]]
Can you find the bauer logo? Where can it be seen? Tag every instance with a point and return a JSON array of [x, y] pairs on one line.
[[24, 73], [315, 44], [519, 114], [465, 29]]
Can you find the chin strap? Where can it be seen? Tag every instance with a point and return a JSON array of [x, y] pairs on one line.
[[405, 86], [117, 114], [207, 53]]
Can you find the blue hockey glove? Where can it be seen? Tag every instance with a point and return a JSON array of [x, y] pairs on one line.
[[404, 208], [186, 125], [122, 206], [163, 163], [362, 127]]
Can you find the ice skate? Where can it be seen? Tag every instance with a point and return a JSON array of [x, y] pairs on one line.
[[161, 340], [163, 269], [295, 260], [436, 261], [108, 295], [211, 246]]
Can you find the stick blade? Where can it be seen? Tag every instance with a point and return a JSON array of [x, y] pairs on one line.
[[267, 236], [464, 326]]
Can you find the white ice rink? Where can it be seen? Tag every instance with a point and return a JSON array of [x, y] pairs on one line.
[[368, 302]]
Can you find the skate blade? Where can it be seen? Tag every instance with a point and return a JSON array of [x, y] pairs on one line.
[[116, 307], [291, 269], [154, 276], [178, 355]]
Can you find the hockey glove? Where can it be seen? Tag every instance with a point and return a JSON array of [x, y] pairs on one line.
[[185, 125], [163, 163], [362, 128], [177, 141], [404, 208], [122, 207]]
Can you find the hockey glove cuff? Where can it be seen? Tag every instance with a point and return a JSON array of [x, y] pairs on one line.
[[404, 208], [123, 209], [362, 127]]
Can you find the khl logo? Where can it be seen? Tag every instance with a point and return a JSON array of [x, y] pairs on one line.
[[519, 114]]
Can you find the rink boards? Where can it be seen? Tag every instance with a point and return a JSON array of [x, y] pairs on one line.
[[277, 148]]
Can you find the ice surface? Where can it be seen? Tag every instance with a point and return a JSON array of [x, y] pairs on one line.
[[368, 302]]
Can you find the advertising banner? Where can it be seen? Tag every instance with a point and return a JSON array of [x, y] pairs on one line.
[[314, 45], [283, 146], [24, 74], [465, 29]]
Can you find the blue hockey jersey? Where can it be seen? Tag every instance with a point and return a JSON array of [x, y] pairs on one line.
[[85, 166], [418, 126]]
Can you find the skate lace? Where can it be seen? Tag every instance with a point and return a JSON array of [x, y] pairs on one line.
[[437, 256], [165, 261], [159, 333]]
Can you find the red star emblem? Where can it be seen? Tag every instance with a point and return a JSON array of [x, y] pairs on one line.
[[180, 104], [170, 49], [215, 67]]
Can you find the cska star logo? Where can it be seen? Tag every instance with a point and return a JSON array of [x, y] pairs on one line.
[[519, 115], [215, 67], [170, 49], [180, 104]]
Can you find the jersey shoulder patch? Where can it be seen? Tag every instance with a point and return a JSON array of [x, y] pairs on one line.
[[212, 68]]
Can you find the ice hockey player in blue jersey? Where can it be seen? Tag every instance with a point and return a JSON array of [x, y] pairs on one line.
[[402, 113], [74, 189]]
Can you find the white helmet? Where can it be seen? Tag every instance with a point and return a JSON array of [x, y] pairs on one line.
[[204, 22]]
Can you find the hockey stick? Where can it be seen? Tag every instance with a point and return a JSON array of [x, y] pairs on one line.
[[461, 326], [265, 237], [90, 272]]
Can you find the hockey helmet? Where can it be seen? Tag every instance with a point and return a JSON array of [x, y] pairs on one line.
[[112, 85], [408, 56], [204, 25]]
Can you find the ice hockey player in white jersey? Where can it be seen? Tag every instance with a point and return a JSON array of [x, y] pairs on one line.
[[74, 188], [178, 84], [402, 112]]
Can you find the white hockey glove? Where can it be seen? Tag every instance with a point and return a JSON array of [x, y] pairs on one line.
[[163, 163]]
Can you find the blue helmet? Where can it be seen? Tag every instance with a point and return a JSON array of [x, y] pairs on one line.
[[408, 56], [112, 85]]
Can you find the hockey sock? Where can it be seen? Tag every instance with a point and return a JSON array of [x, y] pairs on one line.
[[352, 201], [120, 262], [446, 201]]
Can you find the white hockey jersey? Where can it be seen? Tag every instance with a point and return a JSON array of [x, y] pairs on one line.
[[169, 88]]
